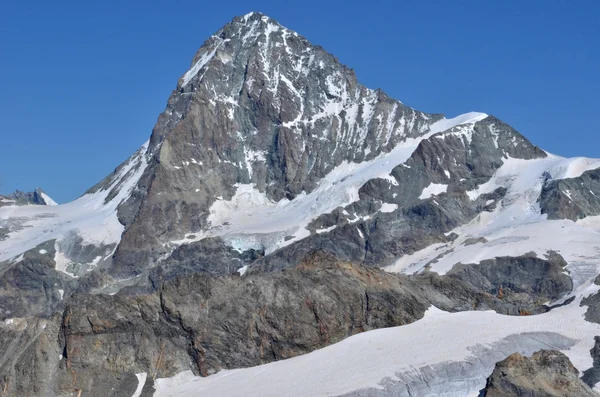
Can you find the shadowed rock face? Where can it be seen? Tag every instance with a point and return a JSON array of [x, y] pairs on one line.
[[548, 373], [591, 376]]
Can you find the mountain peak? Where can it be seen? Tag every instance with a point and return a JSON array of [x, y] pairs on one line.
[[261, 106], [242, 33], [19, 197], [254, 16]]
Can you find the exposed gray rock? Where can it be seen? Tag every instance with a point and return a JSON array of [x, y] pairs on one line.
[[591, 376], [207, 323], [29, 356], [522, 285], [593, 304], [32, 286], [548, 373], [572, 198]]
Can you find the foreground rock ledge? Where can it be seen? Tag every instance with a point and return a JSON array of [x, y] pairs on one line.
[[548, 373]]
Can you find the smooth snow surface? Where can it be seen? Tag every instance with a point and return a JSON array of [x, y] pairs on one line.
[[251, 220], [141, 382], [89, 217], [432, 190], [387, 207], [48, 200]]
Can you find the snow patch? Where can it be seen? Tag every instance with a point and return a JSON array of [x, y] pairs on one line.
[[433, 190], [204, 59], [141, 377], [325, 230], [387, 207]]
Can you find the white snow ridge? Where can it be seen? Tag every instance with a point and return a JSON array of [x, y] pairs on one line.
[[88, 217]]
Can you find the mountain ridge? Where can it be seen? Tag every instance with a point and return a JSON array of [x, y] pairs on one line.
[[281, 216]]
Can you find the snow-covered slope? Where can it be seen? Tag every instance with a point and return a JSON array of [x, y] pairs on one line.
[[89, 220], [48, 200]]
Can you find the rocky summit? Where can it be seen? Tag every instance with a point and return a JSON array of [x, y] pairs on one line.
[[286, 231]]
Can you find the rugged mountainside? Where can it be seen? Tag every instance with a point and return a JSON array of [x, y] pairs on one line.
[[279, 220]]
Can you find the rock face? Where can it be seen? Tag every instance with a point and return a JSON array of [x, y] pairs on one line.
[[592, 375], [548, 373], [508, 285], [458, 161], [573, 198], [224, 322]]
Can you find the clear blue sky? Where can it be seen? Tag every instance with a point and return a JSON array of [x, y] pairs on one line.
[[82, 82]]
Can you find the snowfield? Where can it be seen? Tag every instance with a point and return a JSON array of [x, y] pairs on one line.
[[88, 217]]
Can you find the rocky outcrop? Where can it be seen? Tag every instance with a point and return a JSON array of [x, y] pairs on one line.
[[548, 373], [509, 285], [591, 376], [29, 356], [572, 198], [32, 286], [208, 323]]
